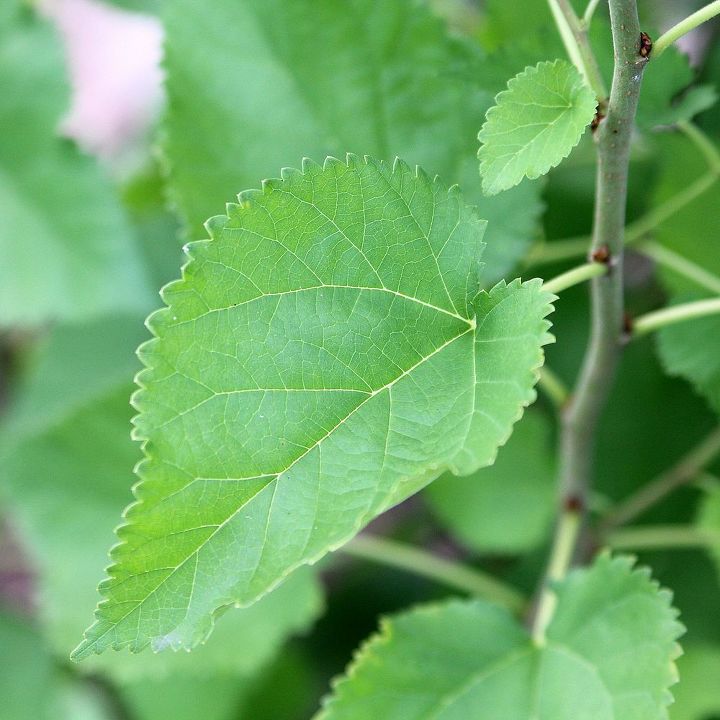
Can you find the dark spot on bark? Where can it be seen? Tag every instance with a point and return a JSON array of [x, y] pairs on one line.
[[601, 255], [645, 45]]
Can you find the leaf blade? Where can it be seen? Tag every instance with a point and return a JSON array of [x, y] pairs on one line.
[[469, 659], [533, 125], [309, 403]]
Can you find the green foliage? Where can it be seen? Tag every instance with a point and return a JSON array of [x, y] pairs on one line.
[[609, 654], [506, 508], [689, 231], [31, 686], [383, 79], [708, 519], [356, 371], [697, 697], [692, 350], [534, 124], [72, 463], [56, 204], [350, 335]]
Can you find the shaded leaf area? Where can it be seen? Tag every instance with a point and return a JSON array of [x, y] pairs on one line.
[[691, 350], [286, 404], [397, 85], [697, 696], [534, 124], [57, 205], [31, 685], [708, 519], [68, 472], [694, 231], [609, 654], [509, 507], [285, 689]]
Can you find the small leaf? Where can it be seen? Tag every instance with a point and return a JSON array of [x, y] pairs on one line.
[[534, 124], [506, 508], [691, 350], [326, 355], [609, 655]]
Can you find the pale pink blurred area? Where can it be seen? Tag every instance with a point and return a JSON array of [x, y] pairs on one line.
[[113, 59]]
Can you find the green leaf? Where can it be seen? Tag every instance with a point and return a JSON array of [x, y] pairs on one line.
[[186, 697], [508, 507], [56, 203], [67, 456], [697, 697], [609, 654], [690, 231], [32, 687], [533, 125], [691, 350], [664, 95], [708, 519], [398, 85], [326, 355]]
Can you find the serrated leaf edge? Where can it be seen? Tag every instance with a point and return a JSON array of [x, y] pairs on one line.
[[154, 323], [498, 100], [626, 563]]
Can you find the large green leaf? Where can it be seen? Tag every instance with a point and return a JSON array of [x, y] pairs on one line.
[[508, 507], [67, 457], [609, 655], [534, 124], [326, 355], [56, 204], [319, 77]]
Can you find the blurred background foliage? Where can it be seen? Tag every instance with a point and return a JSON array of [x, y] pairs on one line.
[[105, 172]]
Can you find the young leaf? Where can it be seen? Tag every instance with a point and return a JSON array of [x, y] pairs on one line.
[[326, 355], [55, 202], [67, 456], [398, 85], [609, 654], [506, 508], [692, 350], [534, 124]]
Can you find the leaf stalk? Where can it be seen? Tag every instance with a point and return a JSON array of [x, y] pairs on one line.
[[683, 472], [574, 36], [685, 26], [425, 564], [576, 276], [662, 537], [678, 313]]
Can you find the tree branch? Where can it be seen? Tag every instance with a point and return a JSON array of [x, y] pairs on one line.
[[581, 416]]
